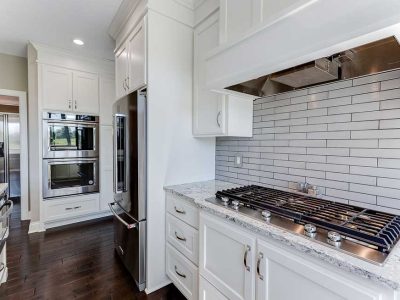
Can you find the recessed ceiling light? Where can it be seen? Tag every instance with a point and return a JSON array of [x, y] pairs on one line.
[[78, 42]]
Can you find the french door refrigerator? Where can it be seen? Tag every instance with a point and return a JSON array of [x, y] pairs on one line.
[[129, 205], [10, 153]]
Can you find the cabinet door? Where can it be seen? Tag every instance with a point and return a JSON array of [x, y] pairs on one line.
[[237, 18], [137, 58], [121, 71], [279, 269], [86, 92], [57, 88], [107, 99], [106, 167], [208, 292], [208, 106], [227, 258]]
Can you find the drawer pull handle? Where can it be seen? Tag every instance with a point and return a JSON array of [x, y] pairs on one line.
[[180, 211], [180, 274], [69, 208], [76, 207], [245, 258], [260, 257], [180, 238]]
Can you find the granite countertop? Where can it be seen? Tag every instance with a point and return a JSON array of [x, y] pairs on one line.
[[388, 274]]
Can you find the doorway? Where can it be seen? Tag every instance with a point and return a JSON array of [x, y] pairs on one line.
[[14, 147]]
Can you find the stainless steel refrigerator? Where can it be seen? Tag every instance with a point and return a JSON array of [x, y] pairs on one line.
[[10, 153], [129, 205]]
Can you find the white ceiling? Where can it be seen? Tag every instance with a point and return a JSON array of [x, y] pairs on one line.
[[56, 23]]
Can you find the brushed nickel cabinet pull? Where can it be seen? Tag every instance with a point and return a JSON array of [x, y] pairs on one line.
[[180, 211], [245, 258], [260, 257], [180, 238], [180, 274]]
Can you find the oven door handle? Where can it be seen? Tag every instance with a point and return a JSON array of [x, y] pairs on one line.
[[129, 226]]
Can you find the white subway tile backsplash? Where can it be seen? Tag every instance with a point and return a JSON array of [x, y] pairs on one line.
[[388, 124], [352, 161], [361, 89], [329, 102], [353, 143], [343, 137], [359, 197], [377, 77], [354, 126], [390, 84], [330, 119]]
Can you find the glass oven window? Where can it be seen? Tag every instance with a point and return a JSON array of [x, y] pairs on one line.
[[121, 153], [72, 175], [76, 137]]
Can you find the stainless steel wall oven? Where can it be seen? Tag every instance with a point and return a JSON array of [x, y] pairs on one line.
[[69, 135], [70, 154]]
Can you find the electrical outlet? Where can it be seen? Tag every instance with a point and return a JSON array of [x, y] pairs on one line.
[[238, 160]]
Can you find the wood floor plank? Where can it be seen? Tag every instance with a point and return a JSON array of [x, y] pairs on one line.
[[71, 262]]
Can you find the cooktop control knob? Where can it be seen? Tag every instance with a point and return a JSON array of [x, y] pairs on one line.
[[334, 238], [225, 200], [266, 214], [310, 230], [235, 204]]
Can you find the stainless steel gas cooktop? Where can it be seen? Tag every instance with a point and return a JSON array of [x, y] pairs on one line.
[[363, 233]]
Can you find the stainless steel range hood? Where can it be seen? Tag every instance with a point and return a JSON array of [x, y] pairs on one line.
[[370, 58]]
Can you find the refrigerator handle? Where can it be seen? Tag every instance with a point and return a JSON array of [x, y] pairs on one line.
[[129, 226]]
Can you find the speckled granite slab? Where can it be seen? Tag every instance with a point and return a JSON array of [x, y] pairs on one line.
[[389, 274]]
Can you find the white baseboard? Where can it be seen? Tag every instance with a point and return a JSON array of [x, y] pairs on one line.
[[157, 287], [36, 227], [63, 222]]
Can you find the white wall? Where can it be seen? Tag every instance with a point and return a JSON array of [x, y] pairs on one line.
[[13, 73], [174, 156]]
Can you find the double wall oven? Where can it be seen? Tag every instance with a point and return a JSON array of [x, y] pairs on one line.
[[70, 154]]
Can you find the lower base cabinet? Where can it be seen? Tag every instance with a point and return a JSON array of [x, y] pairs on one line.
[[237, 264], [3, 266], [208, 292], [182, 272]]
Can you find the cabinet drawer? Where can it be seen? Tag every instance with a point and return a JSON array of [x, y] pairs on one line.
[[184, 238], [208, 292], [182, 272], [183, 210], [70, 207]]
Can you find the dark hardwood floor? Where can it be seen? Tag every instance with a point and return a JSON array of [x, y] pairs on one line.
[[72, 262]]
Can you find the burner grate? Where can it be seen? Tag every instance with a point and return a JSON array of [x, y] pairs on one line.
[[377, 229]]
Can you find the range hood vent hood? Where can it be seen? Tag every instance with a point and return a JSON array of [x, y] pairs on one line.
[[371, 58]]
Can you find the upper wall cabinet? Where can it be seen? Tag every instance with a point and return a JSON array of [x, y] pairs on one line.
[[237, 17], [216, 114], [130, 61], [67, 90]]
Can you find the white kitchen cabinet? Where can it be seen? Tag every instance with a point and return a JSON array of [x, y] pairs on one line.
[[3, 265], [130, 61], [137, 57], [279, 269], [216, 114], [85, 92], [227, 258], [237, 18], [106, 167], [67, 90], [121, 71], [208, 292], [183, 273], [57, 88], [107, 98]]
